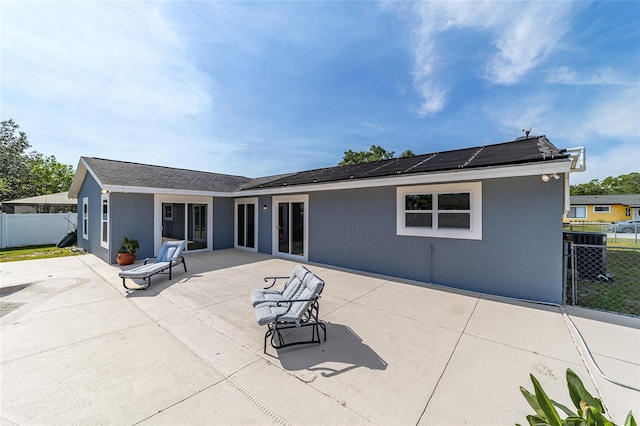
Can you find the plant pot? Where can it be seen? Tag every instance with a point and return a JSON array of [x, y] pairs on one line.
[[125, 258]]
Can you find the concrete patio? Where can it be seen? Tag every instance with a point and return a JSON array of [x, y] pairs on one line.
[[76, 348]]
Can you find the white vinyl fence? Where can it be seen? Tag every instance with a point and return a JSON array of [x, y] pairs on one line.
[[19, 230]]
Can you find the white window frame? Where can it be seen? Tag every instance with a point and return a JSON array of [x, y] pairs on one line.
[[85, 218], [474, 189], [300, 198], [583, 208], [245, 201], [104, 239], [607, 209]]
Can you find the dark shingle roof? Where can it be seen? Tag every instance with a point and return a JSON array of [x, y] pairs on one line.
[[631, 200], [530, 150], [122, 173]]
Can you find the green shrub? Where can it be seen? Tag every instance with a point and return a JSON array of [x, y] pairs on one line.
[[589, 410]]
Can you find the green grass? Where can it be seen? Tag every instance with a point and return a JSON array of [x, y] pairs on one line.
[[35, 252], [622, 294]]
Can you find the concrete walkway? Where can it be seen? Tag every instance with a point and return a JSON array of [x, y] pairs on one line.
[[77, 349]]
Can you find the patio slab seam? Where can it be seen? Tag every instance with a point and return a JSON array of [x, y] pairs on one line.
[[226, 378], [45, 311], [444, 370], [520, 349], [77, 342]]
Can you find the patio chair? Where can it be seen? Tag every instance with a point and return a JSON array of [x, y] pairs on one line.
[[301, 310], [170, 255], [289, 290]]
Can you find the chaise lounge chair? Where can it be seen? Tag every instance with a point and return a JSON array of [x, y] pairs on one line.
[[296, 306], [169, 256]]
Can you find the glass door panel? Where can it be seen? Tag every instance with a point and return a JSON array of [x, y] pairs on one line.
[[283, 227], [240, 232], [251, 225], [197, 229], [173, 225], [297, 229]]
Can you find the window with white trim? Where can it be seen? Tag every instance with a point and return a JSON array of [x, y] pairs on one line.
[[602, 209], [577, 212], [85, 218], [444, 211], [104, 220]]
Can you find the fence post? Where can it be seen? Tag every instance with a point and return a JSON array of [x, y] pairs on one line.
[[565, 258], [3, 230], [574, 267]]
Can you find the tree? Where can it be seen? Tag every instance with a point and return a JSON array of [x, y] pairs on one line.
[[49, 176], [14, 168], [25, 174], [375, 153], [623, 184]]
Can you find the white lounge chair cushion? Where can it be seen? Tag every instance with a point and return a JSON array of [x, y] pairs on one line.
[[144, 271], [270, 312], [170, 251], [291, 287]]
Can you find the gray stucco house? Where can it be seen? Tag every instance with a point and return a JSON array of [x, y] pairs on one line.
[[479, 218]]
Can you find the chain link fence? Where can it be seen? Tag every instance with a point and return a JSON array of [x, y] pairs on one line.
[[601, 277]]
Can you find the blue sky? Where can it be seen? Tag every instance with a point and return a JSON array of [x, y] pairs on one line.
[[261, 88]]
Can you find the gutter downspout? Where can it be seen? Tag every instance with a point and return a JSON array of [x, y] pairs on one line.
[[578, 157]]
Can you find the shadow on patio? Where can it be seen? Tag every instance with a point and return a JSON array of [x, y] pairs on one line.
[[343, 347]]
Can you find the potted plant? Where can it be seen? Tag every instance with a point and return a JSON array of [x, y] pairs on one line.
[[127, 252]]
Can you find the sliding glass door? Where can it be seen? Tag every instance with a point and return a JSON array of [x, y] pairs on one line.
[[246, 229], [185, 219], [290, 226]]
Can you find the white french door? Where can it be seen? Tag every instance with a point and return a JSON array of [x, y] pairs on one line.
[[290, 226], [245, 224], [179, 217]]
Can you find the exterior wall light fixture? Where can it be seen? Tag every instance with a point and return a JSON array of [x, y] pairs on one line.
[[547, 178]]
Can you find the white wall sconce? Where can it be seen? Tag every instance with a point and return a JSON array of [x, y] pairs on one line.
[[264, 207]]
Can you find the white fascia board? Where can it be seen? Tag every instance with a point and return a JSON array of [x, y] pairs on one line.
[[162, 191], [78, 178], [547, 167]]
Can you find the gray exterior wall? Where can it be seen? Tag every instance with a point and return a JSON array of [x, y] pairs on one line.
[[132, 215], [91, 190], [223, 223], [520, 254], [265, 224]]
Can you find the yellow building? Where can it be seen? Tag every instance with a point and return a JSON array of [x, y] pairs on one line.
[[603, 208]]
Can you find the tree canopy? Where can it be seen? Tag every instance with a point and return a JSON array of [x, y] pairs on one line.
[[28, 174], [623, 184], [375, 153]]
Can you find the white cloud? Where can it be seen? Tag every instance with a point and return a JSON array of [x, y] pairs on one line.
[[602, 76], [523, 35], [615, 161], [532, 31], [109, 77], [606, 124]]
